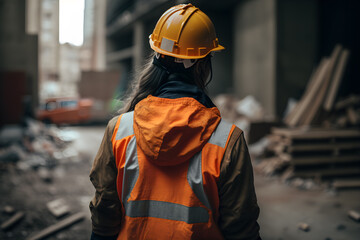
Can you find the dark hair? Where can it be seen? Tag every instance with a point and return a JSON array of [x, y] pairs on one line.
[[152, 76]]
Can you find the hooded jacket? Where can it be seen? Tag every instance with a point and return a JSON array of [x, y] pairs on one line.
[[170, 130]]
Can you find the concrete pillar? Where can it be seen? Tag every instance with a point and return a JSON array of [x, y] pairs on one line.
[[255, 51], [139, 37], [18, 50], [32, 16], [100, 32]]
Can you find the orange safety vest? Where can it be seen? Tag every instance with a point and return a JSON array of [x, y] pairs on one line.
[[168, 202]]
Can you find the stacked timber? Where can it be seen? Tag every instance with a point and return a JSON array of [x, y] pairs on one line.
[[318, 101], [322, 137], [318, 153]]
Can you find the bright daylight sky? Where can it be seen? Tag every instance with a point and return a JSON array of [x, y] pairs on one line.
[[71, 16]]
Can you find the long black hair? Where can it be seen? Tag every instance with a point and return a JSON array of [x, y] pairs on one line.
[[157, 71]]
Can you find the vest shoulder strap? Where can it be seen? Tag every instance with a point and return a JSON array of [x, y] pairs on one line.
[[221, 134], [126, 126]]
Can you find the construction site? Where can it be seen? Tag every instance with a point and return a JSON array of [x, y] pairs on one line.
[[288, 78]]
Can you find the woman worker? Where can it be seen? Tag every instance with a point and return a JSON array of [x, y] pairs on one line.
[[169, 167]]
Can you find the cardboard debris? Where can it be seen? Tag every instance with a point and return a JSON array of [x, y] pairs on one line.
[[58, 207]]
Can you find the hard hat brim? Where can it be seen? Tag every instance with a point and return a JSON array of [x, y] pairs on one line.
[[162, 51]]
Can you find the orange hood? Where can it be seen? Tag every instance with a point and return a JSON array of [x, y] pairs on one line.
[[171, 131]]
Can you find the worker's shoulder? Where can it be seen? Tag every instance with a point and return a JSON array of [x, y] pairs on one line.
[[112, 123], [236, 133]]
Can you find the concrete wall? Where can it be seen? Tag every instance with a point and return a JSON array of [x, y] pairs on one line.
[[297, 42], [222, 81], [18, 51], [255, 52]]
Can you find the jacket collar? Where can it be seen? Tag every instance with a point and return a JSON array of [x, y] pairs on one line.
[[180, 85]]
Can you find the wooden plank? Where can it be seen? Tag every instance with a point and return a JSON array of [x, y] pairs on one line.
[[349, 101], [58, 226], [324, 146], [317, 102], [309, 86], [316, 133], [307, 99], [327, 172], [312, 160], [352, 115], [346, 183], [10, 222], [335, 83]]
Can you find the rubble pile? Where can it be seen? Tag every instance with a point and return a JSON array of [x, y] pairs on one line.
[[34, 145], [321, 139], [247, 113], [313, 153]]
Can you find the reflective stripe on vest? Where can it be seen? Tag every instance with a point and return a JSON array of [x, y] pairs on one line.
[[161, 209]]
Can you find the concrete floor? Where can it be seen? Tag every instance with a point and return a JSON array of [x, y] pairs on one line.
[[284, 207]]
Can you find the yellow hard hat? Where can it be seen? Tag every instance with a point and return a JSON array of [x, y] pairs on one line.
[[184, 31]]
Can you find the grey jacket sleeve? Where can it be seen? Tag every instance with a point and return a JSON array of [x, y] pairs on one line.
[[105, 207], [238, 207]]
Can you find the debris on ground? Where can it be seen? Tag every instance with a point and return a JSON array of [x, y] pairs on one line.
[[313, 154], [304, 226], [250, 108], [8, 209], [45, 174], [247, 113], [35, 145], [12, 134], [12, 221], [58, 207], [67, 222], [341, 227], [321, 139], [354, 215]]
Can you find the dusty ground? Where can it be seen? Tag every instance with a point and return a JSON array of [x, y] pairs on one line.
[[27, 192], [282, 206]]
